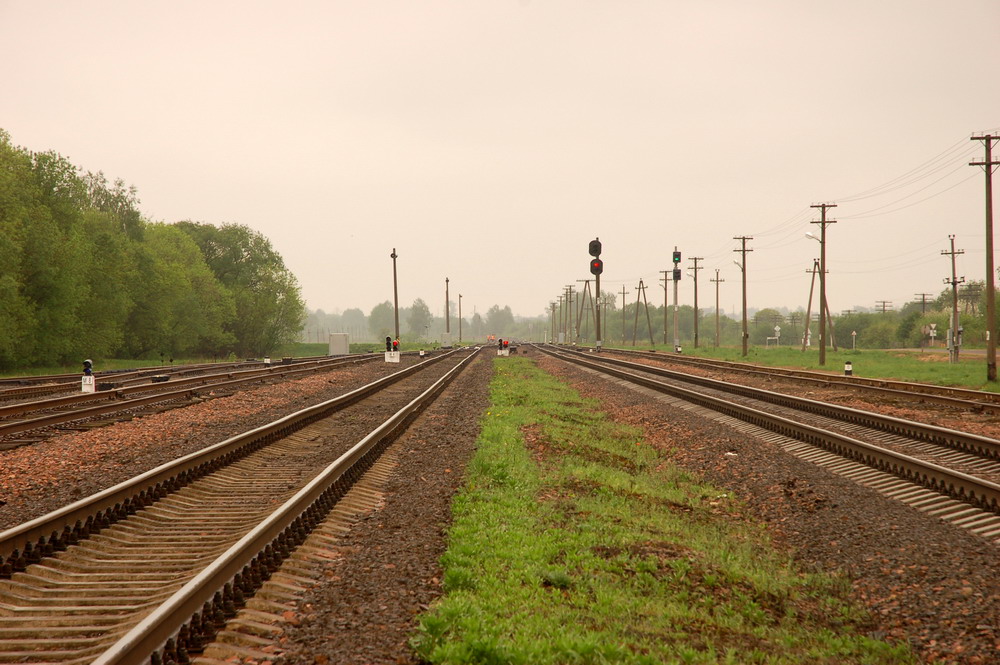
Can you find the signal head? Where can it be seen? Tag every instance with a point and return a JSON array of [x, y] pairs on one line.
[[596, 266], [595, 247]]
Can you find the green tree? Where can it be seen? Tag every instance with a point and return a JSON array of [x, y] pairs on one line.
[[418, 318], [119, 201], [17, 201], [499, 321], [478, 329], [381, 320], [110, 279], [183, 309], [267, 297]]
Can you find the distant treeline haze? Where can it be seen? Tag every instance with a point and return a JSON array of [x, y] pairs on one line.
[[910, 326]]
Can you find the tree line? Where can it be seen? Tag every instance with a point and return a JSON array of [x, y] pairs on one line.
[[416, 324], [84, 275], [915, 325]]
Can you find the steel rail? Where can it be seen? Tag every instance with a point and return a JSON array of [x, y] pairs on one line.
[[981, 493], [122, 400], [27, 542], [205, 591], [948, 395], [964, 441]]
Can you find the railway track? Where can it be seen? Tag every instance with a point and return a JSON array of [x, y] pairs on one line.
[[948, 473], [29, 422], [151, 568], [963, 398], [22, 387]]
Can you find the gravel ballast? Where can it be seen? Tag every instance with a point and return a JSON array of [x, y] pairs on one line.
[[924, 582]]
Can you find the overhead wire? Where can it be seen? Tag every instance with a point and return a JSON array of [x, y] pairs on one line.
[[945, 158]]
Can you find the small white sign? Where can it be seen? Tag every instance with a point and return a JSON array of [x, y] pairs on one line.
[[392, 356], [87, 384]]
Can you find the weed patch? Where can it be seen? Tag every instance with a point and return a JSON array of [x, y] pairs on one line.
[[573, 541]]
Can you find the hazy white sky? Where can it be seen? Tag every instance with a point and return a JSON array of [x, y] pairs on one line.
[[490, 141]]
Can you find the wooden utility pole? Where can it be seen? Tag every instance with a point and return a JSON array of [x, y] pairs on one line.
[[623, 314], [743, 268], [884, 305], [447, 309], [953, 337], [696, 268], [635, 323], [571, 302], [583, 304], [641, 293], [823, 308], [991, 333], [923, 301], [717, 325], [665, 304], [812, 286], [649, 324], [562, 316]]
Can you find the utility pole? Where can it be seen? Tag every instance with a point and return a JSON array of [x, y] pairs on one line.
[[623, 315], [954, 339], [923, 300], [991, 338], [823, 309], [562, 326], [583, 303], [665, 305], [395, 292], [884, 305], [447, 310], [641, 293], [812, 286], [552, 336], [649, 324], [459, 318], [570, 306], [717, 326], [743, 268], [696, 268]]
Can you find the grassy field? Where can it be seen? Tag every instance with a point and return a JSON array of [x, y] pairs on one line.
[[575, 542], [906, 365]]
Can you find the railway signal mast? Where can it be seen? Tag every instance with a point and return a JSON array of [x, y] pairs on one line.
[[677, 280], [596, 268]]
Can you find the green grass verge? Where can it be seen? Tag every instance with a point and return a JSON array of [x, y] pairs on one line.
[[575, 542], [904, 365]]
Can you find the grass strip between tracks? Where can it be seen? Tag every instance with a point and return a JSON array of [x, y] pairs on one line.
[[574, 541]]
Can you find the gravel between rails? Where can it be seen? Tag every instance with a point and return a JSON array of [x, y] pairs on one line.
[[39, 478], [925, 582]]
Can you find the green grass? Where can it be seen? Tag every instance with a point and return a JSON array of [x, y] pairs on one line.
[[574, 541], [905, 365]]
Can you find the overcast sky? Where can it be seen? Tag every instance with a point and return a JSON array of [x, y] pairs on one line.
[[489, 141]]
